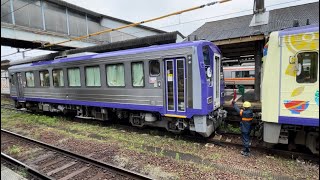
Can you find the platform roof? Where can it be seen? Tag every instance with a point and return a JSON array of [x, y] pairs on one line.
[[78, 8]]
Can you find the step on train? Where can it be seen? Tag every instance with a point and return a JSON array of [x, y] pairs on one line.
[[179, 87]]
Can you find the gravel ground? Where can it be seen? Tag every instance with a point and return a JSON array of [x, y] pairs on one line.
[[128, 149]]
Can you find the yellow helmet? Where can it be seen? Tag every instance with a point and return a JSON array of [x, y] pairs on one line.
[[246, 104]]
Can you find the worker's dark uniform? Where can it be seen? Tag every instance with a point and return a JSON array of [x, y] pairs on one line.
[[245, 126]]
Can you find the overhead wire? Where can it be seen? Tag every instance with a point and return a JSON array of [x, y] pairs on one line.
[[18, 9], [5, 2], [195, 20], [128, 25]]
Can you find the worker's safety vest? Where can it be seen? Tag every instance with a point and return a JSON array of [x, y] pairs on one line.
[[246, 115]]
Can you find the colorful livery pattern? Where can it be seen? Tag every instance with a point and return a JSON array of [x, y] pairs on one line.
[[290, 85]]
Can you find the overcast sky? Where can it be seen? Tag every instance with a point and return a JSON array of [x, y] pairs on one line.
[[139, 10]]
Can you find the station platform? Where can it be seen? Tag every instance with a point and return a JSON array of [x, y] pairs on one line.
[[8, 174]]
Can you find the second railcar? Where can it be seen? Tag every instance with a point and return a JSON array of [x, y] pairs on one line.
[[239, 75], [176, 86]]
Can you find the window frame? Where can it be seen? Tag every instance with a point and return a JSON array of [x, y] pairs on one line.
[[53, 78], [79, 77], [207, 48], [34, 84], [43, 78], [85, 75], [12, 80], [317, 67], [154, 75], [144, 81], [124, 75]]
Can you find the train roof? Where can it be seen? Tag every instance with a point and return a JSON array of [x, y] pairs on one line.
[[121, 52], [301, 29]]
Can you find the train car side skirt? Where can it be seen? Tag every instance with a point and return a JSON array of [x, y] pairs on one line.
[[298, 121], [160, 109]]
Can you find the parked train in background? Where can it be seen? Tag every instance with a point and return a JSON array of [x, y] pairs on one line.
[[176, 86], [239, 75]]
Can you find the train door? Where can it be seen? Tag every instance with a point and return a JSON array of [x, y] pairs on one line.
[[217, 80], [175, 86], [19, 85]]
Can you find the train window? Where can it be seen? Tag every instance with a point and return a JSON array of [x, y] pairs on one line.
[[12, 80], [240, 74], [30, 79], [206, 55], [245, 74], [115, 75], [44, 78], [308, 67], [154, 68], [93, 76], [57, 75], [74, 77], [251, 74], [137, 74]]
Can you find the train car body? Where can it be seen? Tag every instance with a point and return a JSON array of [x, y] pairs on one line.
[[176, 86], [290, 88], [239, 75]]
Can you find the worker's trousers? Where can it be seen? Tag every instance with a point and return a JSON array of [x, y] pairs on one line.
[[245, 127]]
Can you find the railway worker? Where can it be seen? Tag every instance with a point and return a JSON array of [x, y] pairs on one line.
[[245, 125]]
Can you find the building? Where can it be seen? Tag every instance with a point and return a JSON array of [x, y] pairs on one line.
[[241, 39], [32, 23]]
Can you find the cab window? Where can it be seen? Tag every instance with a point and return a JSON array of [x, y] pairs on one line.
[[307, 67], [206, 55]]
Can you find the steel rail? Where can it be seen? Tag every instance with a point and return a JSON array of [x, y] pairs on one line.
[[103, 165], [282, 153], [29, 169]]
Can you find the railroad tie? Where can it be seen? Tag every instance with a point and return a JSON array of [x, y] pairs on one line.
[[52, 162], [61, 168], [40, 158], [97, 176], [75, 173]]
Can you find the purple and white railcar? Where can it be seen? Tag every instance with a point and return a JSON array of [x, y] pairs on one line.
[[177, 86]]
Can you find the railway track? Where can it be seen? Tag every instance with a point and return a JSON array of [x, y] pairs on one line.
[[256, 146], [56, 163], [19, 165]]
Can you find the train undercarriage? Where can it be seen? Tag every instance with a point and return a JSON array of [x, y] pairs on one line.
[[204, 125], [292, 135]]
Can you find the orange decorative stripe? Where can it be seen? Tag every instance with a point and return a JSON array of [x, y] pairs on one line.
[[175, 116], [247, 119], [238, 79]]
